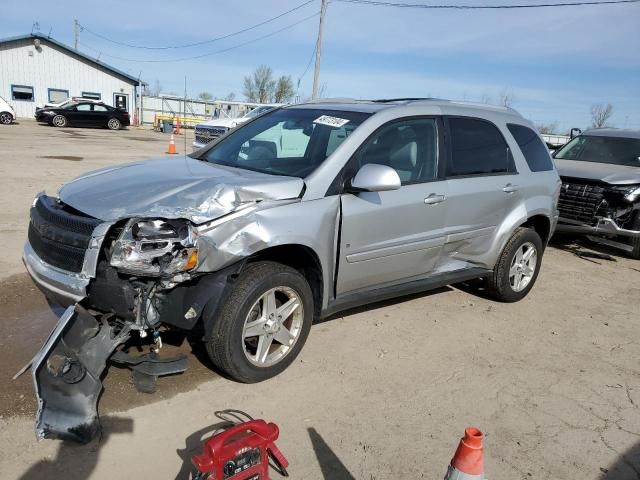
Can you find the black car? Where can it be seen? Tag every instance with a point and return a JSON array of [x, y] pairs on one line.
[[84, 114]]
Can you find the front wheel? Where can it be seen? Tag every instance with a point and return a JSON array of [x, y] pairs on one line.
[[263, 323], [518, 266], [6, 118], [114, 124], [59, 121]]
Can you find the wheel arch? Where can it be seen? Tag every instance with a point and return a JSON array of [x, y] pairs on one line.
[[542, 226], [303, 259]]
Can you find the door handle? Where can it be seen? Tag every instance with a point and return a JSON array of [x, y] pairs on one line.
[[509, 188], [434, 199]]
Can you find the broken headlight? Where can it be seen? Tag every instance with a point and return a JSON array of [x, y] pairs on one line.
[[155, 247], [631, 192]]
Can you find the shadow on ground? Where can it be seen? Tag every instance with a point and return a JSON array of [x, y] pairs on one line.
[[77, 462], [626, 466], [331, 466], [194, 445]]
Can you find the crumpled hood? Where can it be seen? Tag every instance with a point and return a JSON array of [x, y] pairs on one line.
[[605, 172], [173, 188]]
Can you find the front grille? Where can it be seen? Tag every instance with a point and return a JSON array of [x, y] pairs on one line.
[[59, 235], [205, 135], [580, 201]]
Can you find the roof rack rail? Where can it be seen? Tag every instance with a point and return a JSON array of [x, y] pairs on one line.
[[407, 99]]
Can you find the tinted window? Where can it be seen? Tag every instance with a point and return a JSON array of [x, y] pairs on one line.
[[534, 151], [615, 150], [83, 107], [477, 147], [410, 147], [99, 108]]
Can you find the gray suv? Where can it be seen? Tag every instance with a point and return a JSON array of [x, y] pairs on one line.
[[302, 212]]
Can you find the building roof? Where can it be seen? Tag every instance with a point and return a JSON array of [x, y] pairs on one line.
[[73, 52]]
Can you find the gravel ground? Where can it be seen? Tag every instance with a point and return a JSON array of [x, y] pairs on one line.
[[380, 392]]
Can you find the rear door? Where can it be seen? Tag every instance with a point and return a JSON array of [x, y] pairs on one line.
[[483, 187], [100, 115], [81, 114], [394, 236]]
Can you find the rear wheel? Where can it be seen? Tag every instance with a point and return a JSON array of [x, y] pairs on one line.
[[59, 121], [6, 118], [114, 124], [518, 266], [263, 323]]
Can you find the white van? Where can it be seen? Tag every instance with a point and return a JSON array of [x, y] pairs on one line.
[[7, 113]]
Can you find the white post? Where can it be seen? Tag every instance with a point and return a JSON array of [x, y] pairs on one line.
[[316, 70]]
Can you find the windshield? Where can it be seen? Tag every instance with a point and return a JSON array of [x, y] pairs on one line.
[[614, 150], [289, 141]]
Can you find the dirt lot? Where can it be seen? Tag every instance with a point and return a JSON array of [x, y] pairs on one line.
[[382, 392]]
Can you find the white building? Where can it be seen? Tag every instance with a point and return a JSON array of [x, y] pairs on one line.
[[35, 69]]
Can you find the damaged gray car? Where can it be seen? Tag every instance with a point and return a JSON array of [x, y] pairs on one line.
[[302, 212], [600, 196]]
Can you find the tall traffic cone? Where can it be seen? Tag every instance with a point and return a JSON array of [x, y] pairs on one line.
[[467, 463], [172, 146], [177, 125]]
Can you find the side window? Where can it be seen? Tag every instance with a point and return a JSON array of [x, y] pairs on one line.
[[477, 148], [409, 146], [22, 92], [83, 107], [534, 151], [99, 108]]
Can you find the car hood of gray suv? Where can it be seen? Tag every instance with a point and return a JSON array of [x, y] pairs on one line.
[[604, 172], [173, 188]]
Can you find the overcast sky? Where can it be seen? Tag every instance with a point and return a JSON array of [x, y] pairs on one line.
[[556, 62]]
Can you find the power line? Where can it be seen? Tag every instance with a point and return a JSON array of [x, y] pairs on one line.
[[203, 42], [313, 54], [195, 57], [483, 7]]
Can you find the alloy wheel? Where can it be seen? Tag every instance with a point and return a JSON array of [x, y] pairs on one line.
[[114, 124], [273, 326], [523, 267], [6, 118]]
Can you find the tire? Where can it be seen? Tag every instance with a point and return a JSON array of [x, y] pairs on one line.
[[505, 287], [59, 121], [635, 241], [233, 350], [114, 124], [6, 118]]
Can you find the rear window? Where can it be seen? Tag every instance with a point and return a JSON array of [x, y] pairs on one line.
[[477, 148], [534, 151]]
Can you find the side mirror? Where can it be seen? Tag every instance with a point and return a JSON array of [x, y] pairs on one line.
[[374, 177]]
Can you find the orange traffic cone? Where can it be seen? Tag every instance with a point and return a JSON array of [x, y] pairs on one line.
[[172, 146], [177, 125], [467, 463], [155, 121]]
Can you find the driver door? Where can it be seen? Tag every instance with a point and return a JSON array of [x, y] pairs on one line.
[[396, 236]]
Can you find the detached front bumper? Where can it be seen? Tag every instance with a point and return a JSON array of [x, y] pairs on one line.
[[605, 226]]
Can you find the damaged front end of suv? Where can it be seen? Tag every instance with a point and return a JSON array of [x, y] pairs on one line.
[[132, 265], [600, 194]]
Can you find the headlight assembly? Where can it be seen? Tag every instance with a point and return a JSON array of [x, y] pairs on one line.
[[630, 192], [155, 247]]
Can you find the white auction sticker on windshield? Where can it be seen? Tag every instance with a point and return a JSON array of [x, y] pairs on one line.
[[331, 121]]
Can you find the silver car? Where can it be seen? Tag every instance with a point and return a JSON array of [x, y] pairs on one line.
[[300, 213], [600, 195]]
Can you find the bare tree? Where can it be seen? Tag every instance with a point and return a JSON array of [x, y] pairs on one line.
[[600, 114], [155, 90], [230, 97], [260, 86], [548, 128], [486, 99], [506, 98], [205, 96], [284, 90]]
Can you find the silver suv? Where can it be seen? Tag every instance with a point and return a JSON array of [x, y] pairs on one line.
[[300, 213]]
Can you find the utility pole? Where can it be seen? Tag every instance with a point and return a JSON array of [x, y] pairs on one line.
[[76, 32], [316, 70]]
